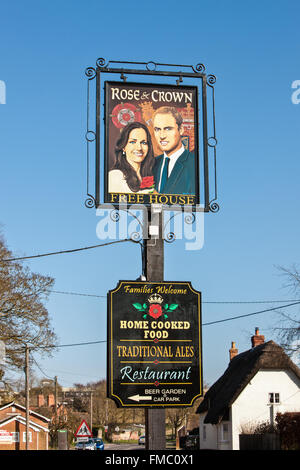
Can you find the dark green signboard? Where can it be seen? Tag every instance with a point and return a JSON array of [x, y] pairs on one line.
[[154, 344]]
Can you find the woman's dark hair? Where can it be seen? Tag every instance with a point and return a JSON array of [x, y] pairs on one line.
[[121, 162]]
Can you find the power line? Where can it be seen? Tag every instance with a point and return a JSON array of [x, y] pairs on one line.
[[204, 302], [249, 314], [77, 293], [251, 301], [51, 378], [69, 251], [203, 324], [58, 346]]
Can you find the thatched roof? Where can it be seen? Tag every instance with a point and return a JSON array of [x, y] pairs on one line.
[[240, 371]]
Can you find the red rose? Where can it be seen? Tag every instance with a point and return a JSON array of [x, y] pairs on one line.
[[155, 311], [147, 182]]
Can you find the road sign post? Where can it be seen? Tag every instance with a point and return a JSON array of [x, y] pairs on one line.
[[83, 432]]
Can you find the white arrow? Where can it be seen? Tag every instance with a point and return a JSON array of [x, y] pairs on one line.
[[139, 398]]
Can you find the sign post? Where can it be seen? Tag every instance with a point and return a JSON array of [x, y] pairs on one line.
[[154, 344], [155, 418], [156, 156], [83, 432]]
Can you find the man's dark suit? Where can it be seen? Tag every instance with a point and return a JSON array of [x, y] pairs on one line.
[[182, 179]]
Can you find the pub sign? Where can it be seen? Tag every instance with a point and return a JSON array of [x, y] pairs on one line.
[[151, 144], [154, 344]]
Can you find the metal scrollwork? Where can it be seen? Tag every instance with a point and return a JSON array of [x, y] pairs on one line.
[[101, 62], [214, 207], [151, 66], [90, 72], [135, 236], [170, 237], [212, 141], [90, 136], [211, 79], [90, 202], [115, 215], [199, 68], [180, 71], [189, 218]]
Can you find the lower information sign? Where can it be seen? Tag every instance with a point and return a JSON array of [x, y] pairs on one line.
[[154, 344]]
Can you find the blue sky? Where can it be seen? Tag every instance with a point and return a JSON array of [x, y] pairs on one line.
[[253, 49]]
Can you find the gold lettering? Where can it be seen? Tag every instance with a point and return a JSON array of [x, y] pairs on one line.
[[163, 199], [140, 198], [131, 198], [154, 198], [113, 197]]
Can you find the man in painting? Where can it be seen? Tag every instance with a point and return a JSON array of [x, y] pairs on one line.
[[174, 170]]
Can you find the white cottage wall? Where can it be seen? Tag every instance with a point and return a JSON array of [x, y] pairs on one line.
[[252, 406], [210, 439]]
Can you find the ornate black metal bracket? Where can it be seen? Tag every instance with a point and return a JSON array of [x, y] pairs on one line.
[[115, 217], [170, 237], [90, 136], [212, 143], [151, 68]]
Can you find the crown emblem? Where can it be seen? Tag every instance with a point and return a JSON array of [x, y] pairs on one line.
[[155, 299]]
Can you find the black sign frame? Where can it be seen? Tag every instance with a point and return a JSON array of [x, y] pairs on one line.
[[154, 344], [180, 199]]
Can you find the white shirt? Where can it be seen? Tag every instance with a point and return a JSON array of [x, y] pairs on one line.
[[173, 159], [117, 183]]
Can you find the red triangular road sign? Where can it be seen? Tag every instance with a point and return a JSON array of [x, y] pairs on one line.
[[83, 430]]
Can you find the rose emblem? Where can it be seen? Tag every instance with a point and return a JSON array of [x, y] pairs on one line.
[[147, 182], [155, 311], [156, 308]]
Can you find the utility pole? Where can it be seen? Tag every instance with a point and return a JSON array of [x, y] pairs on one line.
[[91, 403], [155, 418], [106, 412], [27, 394], [55, 400]]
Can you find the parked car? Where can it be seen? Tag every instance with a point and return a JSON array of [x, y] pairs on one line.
[[99, 444], [85, 445], [192, 442], [142, 439]]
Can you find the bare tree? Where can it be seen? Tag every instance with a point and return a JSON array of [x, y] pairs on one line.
[[177, 417], [288, 330], [24, 318]]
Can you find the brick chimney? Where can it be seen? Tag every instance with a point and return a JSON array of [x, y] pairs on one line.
[[40, 400], [232, 351], [257, 339], [50, 400]]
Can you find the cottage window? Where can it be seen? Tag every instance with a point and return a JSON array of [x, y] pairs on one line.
[[225, 432], [274, 398], [29, 436]]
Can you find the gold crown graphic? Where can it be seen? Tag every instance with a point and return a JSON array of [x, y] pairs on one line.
[[155, 299]]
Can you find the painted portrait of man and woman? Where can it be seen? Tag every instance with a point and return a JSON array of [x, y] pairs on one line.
[[151, 143]]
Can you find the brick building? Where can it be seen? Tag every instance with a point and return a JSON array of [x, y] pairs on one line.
[[46, 404], [13, 428]]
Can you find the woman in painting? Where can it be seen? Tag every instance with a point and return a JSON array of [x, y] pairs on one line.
[[132, 172]]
